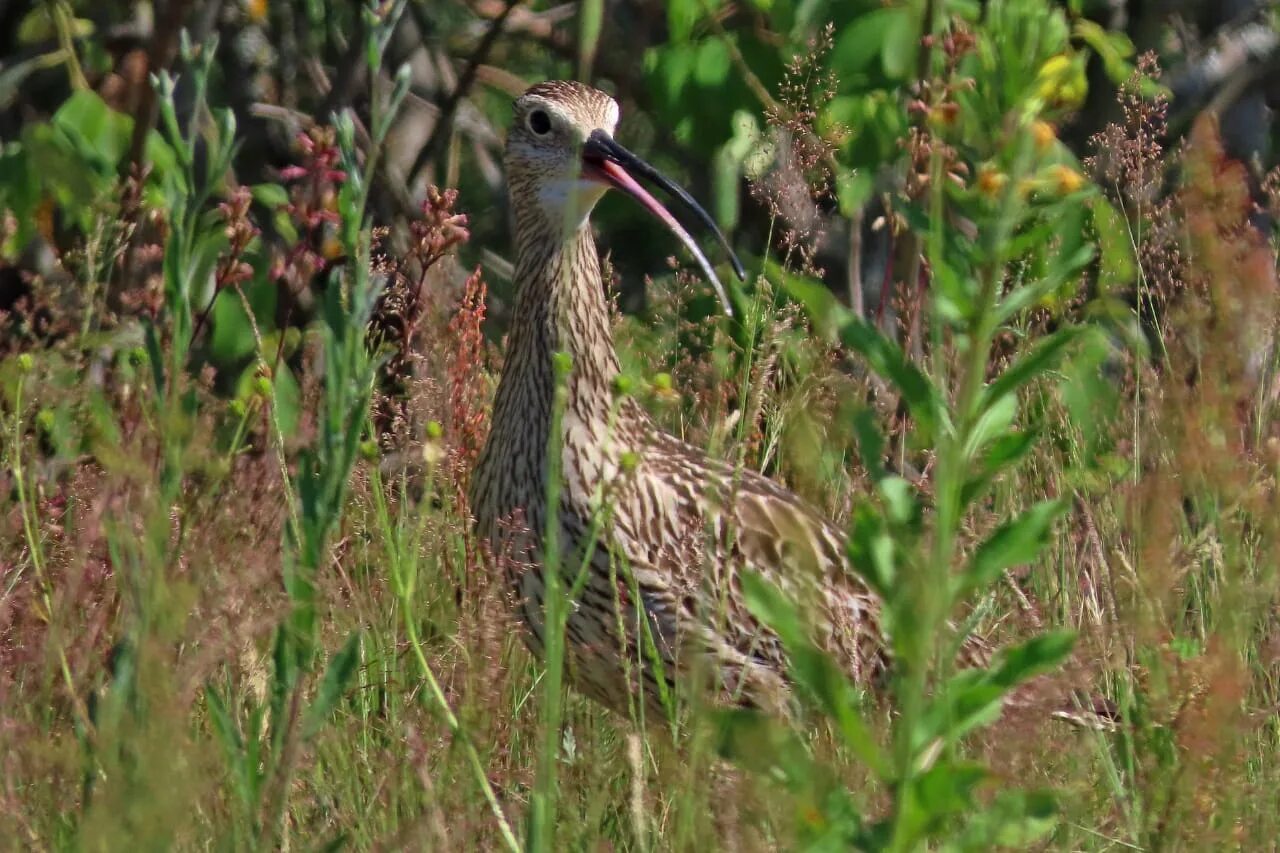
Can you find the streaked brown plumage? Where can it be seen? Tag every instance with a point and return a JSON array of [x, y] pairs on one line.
[[680, 524]]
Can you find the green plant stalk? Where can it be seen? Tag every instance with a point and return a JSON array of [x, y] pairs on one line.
[[36, 550], [404, 582], [63, 18], [350, 370], [542, 805], [760, 335], [325, 470], [143, 560], [934, 577], [456, 729], [590, 19], [350, 364], [277, 433], [932, 590]]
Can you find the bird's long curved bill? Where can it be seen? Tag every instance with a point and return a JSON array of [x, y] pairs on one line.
[[606, 161]]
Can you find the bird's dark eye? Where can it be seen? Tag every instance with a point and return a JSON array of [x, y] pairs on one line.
[[540, 122]]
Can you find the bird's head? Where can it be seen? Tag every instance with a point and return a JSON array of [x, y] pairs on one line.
[[561, 157]]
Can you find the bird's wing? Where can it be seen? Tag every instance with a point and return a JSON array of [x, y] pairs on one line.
[[717, 521], [786, 541]]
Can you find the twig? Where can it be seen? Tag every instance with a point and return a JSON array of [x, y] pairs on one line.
[[1241, 55], [1028, 609], [854, 277], [444, 125], [350, 75], [164, 48], [1103, 564]]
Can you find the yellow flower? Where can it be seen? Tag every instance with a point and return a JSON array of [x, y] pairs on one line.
[[1061, 81], [991, 181], [1044, 134], [331, 248], [256, 10], [1066, 180], [944, 115]]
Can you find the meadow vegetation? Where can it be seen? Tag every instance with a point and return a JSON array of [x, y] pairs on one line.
[[254, 287]]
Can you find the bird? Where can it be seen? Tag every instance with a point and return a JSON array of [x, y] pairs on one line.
[[652, 535]]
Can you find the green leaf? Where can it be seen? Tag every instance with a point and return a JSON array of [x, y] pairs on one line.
[[223, 724], [947, 788], [871, 442], [231, 336], [763, 745], [271, 196], [1020, 663], [1090, 397], [1118, 265], [334, 684], [932, 797], [725, 179], [967, 10], [870, 550], [681, 17], [901, 43], [161, 156], [1016, 542], [19, 193], [590, 19], [1016, 820], [887, 359], [669, 69], [863, 40], [953, 295], [1114, 48], [38, 26], [827, 686], [900, 501], [815, 673], [1029, 294], [284, 675], [242, 762], [1034, 363], [854, 188], [100, 134], [286, 395], [288, 401], [825, 313], [771, 607], [713, 64], [155, 356], [968, 701], [974, 698], [1004, 451], [996, 420]]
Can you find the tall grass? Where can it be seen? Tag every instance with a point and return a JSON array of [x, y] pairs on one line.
[[255, 616]]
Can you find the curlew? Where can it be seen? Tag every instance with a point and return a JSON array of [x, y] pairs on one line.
[[659, 531]]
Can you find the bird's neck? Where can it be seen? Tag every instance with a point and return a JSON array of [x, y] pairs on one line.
[[561, 308]]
